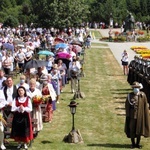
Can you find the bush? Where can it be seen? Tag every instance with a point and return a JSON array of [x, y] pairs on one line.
[[143, 39], [120, 39]]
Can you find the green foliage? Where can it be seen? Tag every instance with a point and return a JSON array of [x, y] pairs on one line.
[[4, 4], [119, 39], [21, 2], [60, 14], [13, 11], [2, 16], [13, 3], [65, 13], [11, 21], [143, 38]]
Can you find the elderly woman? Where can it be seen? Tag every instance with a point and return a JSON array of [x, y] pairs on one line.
[[55, 78], [74, 72], [37, 113], [63, 69], [49, 93], [23, 82]]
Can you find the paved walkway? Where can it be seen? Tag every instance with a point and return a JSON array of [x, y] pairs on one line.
[[118, 48]]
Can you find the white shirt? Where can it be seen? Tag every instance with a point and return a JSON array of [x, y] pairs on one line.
[[125, 57], [9, 94], [1, 81], [25, 85], [22, 100], [36, 92], [3, 102], [77, 64]]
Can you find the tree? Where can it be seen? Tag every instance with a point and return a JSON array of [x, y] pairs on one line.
[[11, 21], [21, 2], [13, 3], [120, 11], [60, 14], [24, 14], [97, 11], [2, 16], [4, 4]]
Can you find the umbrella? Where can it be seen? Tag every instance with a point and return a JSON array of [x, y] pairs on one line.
[[78, 48], [59, 40], [8, 46], [45, 52], [18, 42], [35, 64], [63, 55], [61, 45], [76, 43]]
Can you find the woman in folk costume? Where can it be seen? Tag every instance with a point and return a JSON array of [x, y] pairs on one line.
[[49, 93], [37, 112], [137, 116], [21, 124]]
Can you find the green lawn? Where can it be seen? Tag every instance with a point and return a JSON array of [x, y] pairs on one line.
[[99, 44], [100, 116], [96, 34]]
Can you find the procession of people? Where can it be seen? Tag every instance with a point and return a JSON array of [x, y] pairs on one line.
[[46, 62], [43, 63]]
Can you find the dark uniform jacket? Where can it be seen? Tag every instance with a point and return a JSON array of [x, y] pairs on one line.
[[143, 117]]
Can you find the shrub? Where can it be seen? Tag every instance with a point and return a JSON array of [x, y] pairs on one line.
[[120, 39]]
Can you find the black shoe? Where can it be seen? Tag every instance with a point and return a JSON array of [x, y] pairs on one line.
[[139, 146], [133, 146]]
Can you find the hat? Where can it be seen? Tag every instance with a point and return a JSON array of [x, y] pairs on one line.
[[44, 78], [73, 103], [136, 85]]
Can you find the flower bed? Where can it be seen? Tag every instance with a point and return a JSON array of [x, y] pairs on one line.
[[104, 39], [142, 50], [145, 56], [119, 39], [138, 47]]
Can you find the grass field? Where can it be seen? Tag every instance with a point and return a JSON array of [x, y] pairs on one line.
[[100, 116], [96, 34], [99, 44]]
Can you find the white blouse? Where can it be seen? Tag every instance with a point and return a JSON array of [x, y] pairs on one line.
[[22, 100]]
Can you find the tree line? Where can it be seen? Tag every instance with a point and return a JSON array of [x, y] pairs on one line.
[[67, 13]]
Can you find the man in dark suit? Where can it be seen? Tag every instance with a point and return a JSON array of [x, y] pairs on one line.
[[10, 92]]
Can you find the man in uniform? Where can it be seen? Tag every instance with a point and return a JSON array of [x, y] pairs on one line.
[[137, 116]]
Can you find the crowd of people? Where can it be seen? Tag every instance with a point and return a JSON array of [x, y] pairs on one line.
[[19, 47]]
